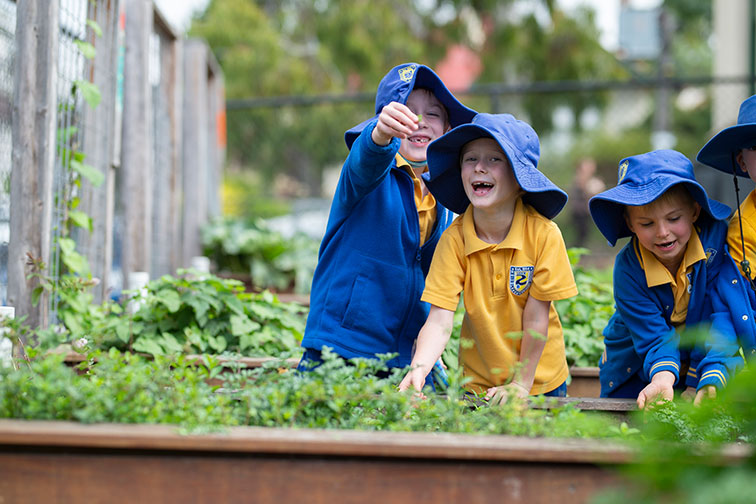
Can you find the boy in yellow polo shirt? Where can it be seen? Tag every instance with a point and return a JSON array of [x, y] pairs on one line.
[[507, 257]]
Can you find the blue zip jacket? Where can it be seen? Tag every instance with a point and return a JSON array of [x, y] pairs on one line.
[[640, 338], [733, 302], [365, 297]]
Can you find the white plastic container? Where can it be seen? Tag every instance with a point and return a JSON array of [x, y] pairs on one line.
[[6, 345]]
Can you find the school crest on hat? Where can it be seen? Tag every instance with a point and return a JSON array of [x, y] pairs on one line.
[[520, 278], [406, 73], [622, 170]]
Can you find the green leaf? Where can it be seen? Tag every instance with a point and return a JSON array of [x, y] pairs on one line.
[[95, 27], [217, 343], [149, 346], [171, 344], [80, 219], [122, 332], [242, 325], [92, 174], [36, 294], [169, 298], [87, 49], [89, 91]]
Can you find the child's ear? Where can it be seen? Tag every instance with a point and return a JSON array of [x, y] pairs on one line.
[[627, 220], [696, 210], [741, 162]]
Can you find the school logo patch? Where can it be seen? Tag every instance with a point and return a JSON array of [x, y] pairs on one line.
[[406, 73], [622, 171], [710, 254], [520, 278]]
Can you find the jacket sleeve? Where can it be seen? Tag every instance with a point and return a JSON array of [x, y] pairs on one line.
[[366, 166], [655, 340], [722, 358]]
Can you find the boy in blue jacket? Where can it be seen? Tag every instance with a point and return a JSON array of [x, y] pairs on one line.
[[383, 226], [661, 279], [733, 151]]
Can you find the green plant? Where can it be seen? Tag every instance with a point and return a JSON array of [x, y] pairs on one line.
[[122, 388], [252, 248], [205, 314], [585, 316]]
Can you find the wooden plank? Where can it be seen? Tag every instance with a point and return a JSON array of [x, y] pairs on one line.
[[74, 358], [136, 151], [57, 461], [195, 146], [345, 443], [33, 138], [591, 403], [117, 478]]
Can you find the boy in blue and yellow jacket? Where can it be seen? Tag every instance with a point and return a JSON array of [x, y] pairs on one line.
[[383, 226], [661, 278], [733, 151]]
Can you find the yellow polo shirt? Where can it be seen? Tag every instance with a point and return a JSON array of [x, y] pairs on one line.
[[426, 205], [496, 280], [748, 216], [658, 274]]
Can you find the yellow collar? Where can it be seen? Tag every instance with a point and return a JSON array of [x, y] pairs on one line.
[[514, 240], [656, 272]]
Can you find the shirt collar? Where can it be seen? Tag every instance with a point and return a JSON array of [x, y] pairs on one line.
[[404, 165], [657, 273], [514, 239]]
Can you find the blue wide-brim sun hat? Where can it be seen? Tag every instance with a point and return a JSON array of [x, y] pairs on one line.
[[397, 85], [642, 179], [520, 144], [720, 152]]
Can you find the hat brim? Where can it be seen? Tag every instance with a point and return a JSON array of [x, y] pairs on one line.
[[720, 151], [445, 179], [608, 207]]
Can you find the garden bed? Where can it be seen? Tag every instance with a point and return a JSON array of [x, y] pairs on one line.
[[584, 382], [65, 462]]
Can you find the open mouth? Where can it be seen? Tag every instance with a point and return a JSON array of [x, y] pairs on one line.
[[481, 188], [419, 140], [666, 245]]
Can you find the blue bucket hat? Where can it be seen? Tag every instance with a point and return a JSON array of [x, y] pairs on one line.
[[397, 85], [520, 144], [642, 179], [720, 151]]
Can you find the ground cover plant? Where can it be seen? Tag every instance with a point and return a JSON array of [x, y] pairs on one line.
[[189, 313], [585, 316]]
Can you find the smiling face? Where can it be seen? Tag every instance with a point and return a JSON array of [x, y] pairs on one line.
[[665, 225], [487, 177], [433, 123]]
